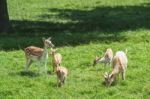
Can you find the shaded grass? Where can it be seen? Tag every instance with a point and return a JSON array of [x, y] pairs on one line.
[[74, 22]]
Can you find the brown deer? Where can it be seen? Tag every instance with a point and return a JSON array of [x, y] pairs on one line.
[[40, 55]]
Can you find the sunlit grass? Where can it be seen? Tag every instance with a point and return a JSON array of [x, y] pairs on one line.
[[84, 80], [81, 30]]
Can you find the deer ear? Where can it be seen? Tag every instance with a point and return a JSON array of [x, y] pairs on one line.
[[105, 75], [111, 76], [43, 38], [49, 38]]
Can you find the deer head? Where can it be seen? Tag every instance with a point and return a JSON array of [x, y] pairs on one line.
[[109, 78], [47, 42], [96, 60], [53, 51]]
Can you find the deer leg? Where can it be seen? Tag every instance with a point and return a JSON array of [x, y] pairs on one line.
[[64, 80], [54, 67], [123, 75], [116, 78], [45, 68], [61, 83], [58, 83], [28, 63], [38, 65]]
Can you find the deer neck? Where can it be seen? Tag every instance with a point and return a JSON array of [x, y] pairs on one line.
[[101, 60], [45, 52], [115, 70]]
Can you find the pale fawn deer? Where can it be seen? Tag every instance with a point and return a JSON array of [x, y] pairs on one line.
[[56, 58], [106, 59], [119, 65], [40, 55], [61, 73]]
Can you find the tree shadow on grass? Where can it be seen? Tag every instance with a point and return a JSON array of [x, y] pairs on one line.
[[111, 20], [101, 24], [105, 19], [28, 74]]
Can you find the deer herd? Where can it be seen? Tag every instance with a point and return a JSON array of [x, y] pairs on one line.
[[40, 55]]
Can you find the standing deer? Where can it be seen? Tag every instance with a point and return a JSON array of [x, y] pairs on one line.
[[119, 65], [61, 73], [106, 59], [40, 55], [56, 58]]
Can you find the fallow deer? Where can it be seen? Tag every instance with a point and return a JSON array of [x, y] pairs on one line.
[[61, 73], [119, 65], [56, 58], [106, 59], [40, 55]]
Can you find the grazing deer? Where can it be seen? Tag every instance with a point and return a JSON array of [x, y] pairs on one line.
[[119, 65], [40, 55], [56, 58], [106, 59], [61, 73]]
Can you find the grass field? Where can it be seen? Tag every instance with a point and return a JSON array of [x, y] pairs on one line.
[[80, 29]]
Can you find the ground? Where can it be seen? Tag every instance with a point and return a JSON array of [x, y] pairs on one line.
[[81, 30]]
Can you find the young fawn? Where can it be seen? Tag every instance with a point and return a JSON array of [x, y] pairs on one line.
[[40, 55], [56, 58], [106, 59], [119, 65], [61, 73]]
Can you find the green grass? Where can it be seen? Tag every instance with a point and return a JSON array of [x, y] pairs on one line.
[[80, 29]]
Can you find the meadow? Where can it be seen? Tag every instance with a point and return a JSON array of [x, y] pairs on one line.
[[81, 30]]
